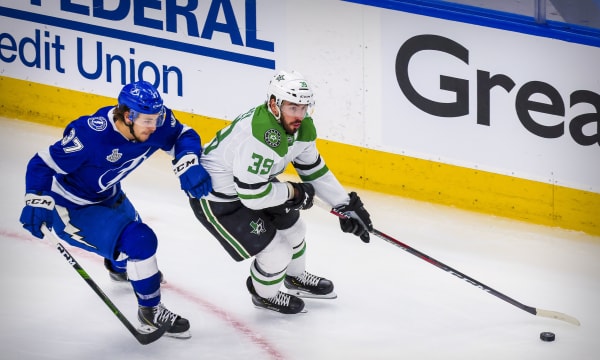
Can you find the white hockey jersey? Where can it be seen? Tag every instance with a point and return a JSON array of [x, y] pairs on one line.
[[245, 157]]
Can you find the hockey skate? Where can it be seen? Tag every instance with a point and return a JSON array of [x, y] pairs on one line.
[[121, 276], [308, 285], [282, 302], [152, 317]]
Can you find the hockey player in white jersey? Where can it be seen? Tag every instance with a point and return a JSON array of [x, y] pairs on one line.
[[74, 188], [253, 214]]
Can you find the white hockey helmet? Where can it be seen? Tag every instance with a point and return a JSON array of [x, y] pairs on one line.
[[290, 86]]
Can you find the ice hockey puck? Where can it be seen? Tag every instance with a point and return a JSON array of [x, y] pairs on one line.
[[547, 336]]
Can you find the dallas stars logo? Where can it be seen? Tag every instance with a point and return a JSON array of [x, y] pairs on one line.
[[258, 227], [272, 138]]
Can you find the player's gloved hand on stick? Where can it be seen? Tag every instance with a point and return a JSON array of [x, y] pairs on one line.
[[38, 210], [303, 196], [194, 179], [357, 220]]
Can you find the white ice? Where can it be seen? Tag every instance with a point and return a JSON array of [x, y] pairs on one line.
[[390, 305]]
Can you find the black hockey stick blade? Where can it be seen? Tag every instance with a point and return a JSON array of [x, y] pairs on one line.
[[142, 338], [147, 338], [538, 312]]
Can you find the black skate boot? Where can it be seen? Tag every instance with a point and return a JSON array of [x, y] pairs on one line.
[[118, 276], [282, 302], [310, 286], [121, 276], [152, 317]]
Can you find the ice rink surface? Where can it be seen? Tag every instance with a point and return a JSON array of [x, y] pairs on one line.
[[390, 305]]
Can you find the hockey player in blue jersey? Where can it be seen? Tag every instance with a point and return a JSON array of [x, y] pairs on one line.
[[74, 188]]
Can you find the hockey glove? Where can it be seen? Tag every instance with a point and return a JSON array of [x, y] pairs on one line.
[[303, 196], [194, 179], [38, 210], [357, 220]]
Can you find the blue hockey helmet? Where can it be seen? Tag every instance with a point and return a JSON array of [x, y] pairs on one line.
[[142, 98]]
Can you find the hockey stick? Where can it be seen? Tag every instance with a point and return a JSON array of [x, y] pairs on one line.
[[143, 338], [535, 311]]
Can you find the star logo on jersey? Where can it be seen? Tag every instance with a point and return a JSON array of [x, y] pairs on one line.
[[114, 156], [258, 227], [273, 138]]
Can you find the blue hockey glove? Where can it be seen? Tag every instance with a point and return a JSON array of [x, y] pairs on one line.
[[358, 220], [194, 179], [303, 196], [38, 210]]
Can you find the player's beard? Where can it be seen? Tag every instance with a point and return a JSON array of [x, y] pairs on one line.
[[293, 127]]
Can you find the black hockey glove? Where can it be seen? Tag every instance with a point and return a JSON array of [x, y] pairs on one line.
[[303, 197], [357, 220]]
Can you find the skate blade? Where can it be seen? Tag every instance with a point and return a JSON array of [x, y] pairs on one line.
[[181, 335], [308, 295], [303, 311]]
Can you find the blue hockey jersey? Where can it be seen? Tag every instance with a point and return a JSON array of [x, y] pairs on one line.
[[86, 167]]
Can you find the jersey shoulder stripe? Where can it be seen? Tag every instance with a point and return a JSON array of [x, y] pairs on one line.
[[307, 131], [268, 131]]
